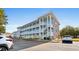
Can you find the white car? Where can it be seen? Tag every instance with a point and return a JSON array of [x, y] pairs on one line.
[[5, 43], [67, 39]]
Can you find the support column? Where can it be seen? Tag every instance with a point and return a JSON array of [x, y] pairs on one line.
[[47, 27], [42, 28], [50, 27], [39, 30]]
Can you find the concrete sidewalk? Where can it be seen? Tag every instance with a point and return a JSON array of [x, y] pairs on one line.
[[54, 47]]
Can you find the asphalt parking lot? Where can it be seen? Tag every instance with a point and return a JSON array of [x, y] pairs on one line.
[[22, 45]]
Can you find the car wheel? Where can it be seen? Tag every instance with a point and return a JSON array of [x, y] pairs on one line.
[[3, 49]]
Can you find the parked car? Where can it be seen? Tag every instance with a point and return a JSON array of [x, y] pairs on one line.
[[10, 41], [6, 43], [67, 39]]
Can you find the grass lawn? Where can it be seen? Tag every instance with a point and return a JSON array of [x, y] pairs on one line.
[[75, 39]]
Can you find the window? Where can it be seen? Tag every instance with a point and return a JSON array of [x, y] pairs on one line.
[[51, 21], [30, 29], [44, 33], [41, 19], [33, 29], [37, 22], [41, 33], [37, 28], [44, 26], [41, 26], [48, 22], [52, 29], [45, 20]]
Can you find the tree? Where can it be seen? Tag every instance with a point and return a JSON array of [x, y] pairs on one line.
[[3, 21], [68, 30], [76, 31]]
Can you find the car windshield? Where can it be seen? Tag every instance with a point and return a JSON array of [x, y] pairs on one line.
[[67, 38], [1, 37]]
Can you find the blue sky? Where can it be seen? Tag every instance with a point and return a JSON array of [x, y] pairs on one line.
[[19, 16]]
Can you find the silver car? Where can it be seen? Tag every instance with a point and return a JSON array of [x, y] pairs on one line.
[[5, 43], [67, 39]]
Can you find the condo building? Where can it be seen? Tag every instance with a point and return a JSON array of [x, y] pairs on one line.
[[45, 27]]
